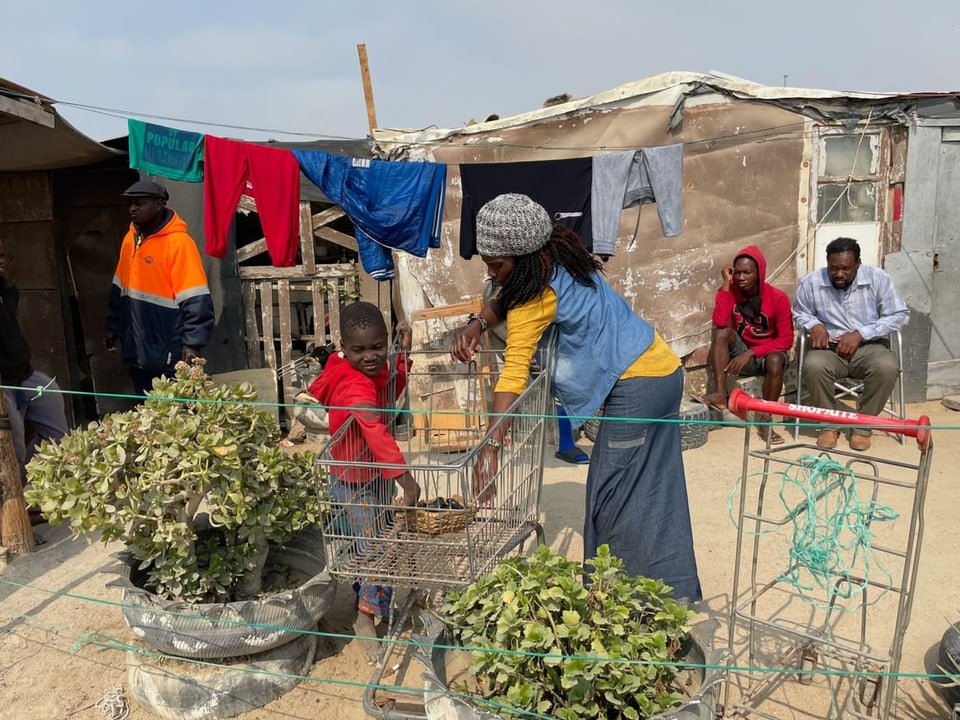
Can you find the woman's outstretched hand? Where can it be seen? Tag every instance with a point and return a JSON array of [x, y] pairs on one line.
[[466, 342]]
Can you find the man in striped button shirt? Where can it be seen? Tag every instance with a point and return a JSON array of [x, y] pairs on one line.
[[848, 310]]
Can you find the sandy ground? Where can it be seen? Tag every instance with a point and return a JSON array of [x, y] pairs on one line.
[[60, 628]]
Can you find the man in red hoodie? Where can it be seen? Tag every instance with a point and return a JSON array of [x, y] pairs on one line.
[[752, 331]]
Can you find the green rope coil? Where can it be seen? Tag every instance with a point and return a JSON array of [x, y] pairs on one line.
[[830, 532]]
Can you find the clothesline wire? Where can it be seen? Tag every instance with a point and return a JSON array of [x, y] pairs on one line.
[[775, 132], [759, 135], [125, 114]]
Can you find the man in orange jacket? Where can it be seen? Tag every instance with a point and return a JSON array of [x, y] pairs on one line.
[[160, 307]]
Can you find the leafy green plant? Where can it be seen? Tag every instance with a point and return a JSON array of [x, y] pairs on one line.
[[566, 642], [142, 476]]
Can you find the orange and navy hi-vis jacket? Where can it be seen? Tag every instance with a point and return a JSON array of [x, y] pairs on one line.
[[159, 300]]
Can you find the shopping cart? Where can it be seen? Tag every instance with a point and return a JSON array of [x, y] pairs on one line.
[[828, 545], [441, 422]]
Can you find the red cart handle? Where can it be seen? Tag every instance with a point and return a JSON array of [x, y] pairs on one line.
[[740, 403]]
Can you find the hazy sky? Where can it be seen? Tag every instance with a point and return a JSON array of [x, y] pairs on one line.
[[292, 64]]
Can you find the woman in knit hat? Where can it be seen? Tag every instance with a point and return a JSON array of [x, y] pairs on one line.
[[606, 356]]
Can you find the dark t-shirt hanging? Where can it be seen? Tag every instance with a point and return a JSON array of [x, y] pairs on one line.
[[561, 186]]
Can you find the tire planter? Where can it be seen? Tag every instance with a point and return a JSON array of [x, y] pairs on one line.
[[441, 704], [693, 429], [246, 627], [202, 692], [948, 658]]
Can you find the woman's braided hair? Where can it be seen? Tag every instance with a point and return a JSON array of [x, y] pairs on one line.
[[532, 272]]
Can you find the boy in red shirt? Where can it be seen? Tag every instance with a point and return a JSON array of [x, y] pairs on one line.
[[356, 383]]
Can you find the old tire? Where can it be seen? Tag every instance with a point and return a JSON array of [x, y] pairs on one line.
[[700, 650], [247, 627], [693, 429], [190, 691], [948, 659], [592, 427]]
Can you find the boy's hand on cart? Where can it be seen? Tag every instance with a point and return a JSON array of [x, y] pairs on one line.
[[466, 342], [484, 471], [411, 490], [406, 336]]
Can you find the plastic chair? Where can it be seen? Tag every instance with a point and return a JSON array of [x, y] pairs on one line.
[[852, 388]]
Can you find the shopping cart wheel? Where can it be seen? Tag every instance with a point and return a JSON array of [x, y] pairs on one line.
[[869, 691], [808, 663]]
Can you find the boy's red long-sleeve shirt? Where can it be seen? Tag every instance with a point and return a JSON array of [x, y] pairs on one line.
[[347, 393], [772, 329]]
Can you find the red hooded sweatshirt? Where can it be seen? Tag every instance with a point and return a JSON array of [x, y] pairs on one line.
[[771, 328], [347, 393]]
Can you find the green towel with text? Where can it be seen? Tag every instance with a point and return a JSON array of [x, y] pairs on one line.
[[166, 152]]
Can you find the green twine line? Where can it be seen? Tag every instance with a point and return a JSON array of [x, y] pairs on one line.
[[485, 414], [88, 637]]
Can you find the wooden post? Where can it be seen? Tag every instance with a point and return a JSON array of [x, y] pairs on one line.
[[367, 87], [15, 532]]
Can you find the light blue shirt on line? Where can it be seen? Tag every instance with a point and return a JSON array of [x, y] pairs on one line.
[[871, 304]]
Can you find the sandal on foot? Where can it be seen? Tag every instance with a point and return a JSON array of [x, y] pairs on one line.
[[702, 399], [574, 455], [775, 437]]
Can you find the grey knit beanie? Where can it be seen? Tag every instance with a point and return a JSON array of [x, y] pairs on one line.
[[511, 225]]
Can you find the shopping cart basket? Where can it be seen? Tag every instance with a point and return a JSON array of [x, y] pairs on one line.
[[450, 540]]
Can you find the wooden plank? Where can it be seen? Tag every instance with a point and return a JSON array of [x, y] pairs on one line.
[[333, 304], [26, 197], [266, 317], [249, 290], [384, 302], [325, 217], [307, 247], [286, 340], [262, 272], [336, 237], [15, 533], [367, 87], [34, 112], [464, 307], [254, 248], [319, 315]]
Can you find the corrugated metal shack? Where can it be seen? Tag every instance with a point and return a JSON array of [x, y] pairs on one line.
[[786, 169]]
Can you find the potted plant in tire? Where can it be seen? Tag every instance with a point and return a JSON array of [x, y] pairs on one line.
[[539, 641], [193, 483]]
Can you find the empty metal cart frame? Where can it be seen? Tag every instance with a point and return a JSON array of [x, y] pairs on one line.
[[828, 544]]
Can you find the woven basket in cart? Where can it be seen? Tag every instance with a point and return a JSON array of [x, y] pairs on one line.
[[436, 521]]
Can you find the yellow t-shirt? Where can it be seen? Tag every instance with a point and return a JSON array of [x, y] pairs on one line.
[[526, 325]]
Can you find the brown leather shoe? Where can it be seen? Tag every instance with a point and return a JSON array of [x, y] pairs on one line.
[[827, 439], [859, 442]]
